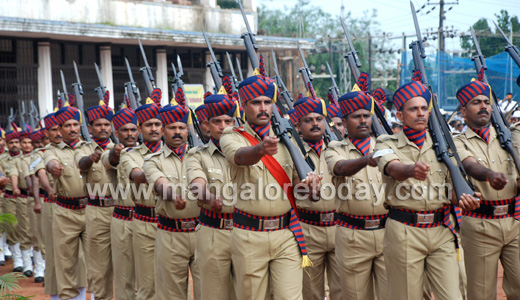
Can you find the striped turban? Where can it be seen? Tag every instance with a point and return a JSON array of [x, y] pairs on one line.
[[50, 120], [472, 90], [218, 105], [293, 116], [334, 111], [67, 113], [26, 134], [409, 91], [172, 114], [37, 135], [101, 111], [124, 116], [307, 105], [353, 101], [201, 113]]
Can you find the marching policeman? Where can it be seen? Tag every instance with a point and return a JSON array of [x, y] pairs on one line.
[[361, 215], [420, 242], [489, 230], [131, 174], [265, 225], [208, 176], [334, 112], [68, 226], [121, 228], [177, 214], [317, 219], [99, 204]]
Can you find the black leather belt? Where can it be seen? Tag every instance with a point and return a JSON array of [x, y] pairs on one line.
[[127, 213], [44, 193], [105, 202], [262, 223], [317, 217], [145, 211], [178, 224], [74, 202], [220, 223], [496, 210], [416, 217], [366, 224]]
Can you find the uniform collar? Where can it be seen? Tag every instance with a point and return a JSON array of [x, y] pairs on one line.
[[402, 141], [250, 130], [212, 147], [472, 134]]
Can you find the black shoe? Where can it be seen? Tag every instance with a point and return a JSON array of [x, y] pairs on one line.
[[38, 279], [8, 257], [18, 269], [2, 263], [28, 273]]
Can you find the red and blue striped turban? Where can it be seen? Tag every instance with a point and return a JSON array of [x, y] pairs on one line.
[[256, 86], [307, 105], [409, 91], [353, 101], [292, 116], [151, 109], [67, 113], [173, 113], [218, 105], [201, 113], [124, 116], [101, 111], [472, 90], [50, 120], [334, 111], [37, 135], [11, 135], [26, 134]]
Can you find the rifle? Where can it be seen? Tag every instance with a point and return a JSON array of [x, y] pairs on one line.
[[233, 75], [240, 70], [133, 91], [22, 116], [78, 92], [100, 92], [328, 136], [378, 128], [34, 115], [277, 121], [334, 90], [285, 96], [193, 140], [214, 65], [10, 119], [510, 48], [147, 72], [443, 144], [497, 119]]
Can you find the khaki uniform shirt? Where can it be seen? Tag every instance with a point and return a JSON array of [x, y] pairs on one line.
[[70, 183], [493, 157], [97, 174], [132, 158], [9, 165], [413, 194], [254, 181], [37, 162], [325, 203], [208, 163], [23, 170], [515, 137], [111, 172], [363, 193], [3, 156], [166, 164]]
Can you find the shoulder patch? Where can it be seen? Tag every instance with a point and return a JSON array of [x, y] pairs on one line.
[[152, 155], [386, 137]]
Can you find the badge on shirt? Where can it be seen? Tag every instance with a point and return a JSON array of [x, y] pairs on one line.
[[216, 171], [35, 163], [382, 153]]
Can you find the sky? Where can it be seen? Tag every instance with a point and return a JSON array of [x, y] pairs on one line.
[[395, 16]]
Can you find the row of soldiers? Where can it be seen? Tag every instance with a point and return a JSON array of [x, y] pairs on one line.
[[396, 239]]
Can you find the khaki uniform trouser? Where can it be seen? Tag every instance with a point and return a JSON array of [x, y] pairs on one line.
[[213, 256], [121, 234], [23, 228], [69, 235], [9, 207], [320, 243], [411, 253], [485, 242], [144, 255], [174, 259], [35, 221], [361, 263], [51, 283], [101, 274], [262, 256]]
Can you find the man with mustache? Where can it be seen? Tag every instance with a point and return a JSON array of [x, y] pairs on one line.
[[100, 205], [361, 215], [11, 193], [208, 175], [489, 229], [177, 211], [121, 227], [334, 112], [68, 226], [317, 218], [202, 117], [131, 174], [420, 241], [43, 189], [266, 238]]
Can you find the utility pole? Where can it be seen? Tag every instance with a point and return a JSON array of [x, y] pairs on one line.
[[369, 59], [442, 17]]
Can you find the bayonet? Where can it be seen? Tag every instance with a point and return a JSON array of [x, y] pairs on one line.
[[78, 93], [284, 93], [214, 65], [34, 115], [100, 92], [510, 48], [334, 90], [240, 70], [134, 96], [179, 64], [146, 71], [11, 119], [351, 55], [233, 74], [64, 86], [306, 71], [22, 116]]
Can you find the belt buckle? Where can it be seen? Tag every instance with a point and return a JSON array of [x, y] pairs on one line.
[[226, 223], [372, 224], [108, 202], [131, 213], [425, 218], [187, 224], [501, 210], [271, 224], [327, 218], [83, 201]]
